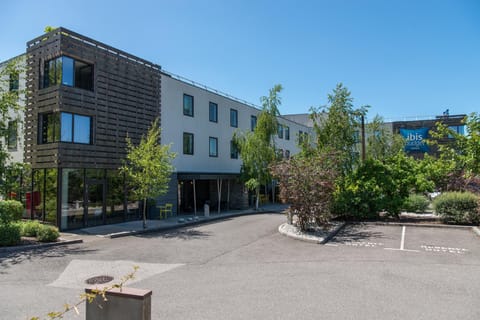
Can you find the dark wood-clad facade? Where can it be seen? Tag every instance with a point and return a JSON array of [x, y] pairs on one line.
[[83, 99], [124, 101]]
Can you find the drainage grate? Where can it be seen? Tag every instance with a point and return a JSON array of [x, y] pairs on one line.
[[99, 280]]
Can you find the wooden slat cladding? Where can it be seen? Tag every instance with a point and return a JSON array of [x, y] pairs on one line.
[[125, 101]]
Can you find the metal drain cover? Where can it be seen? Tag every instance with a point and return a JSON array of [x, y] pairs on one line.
[[99, 280]]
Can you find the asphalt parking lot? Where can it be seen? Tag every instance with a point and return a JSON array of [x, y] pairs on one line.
[[243, 268], [409, 238]]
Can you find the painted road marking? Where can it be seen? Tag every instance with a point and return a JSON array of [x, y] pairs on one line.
[[402, 243], [363, 244], [430, 248]]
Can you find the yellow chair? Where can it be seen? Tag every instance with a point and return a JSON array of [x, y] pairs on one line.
[[165, 210]]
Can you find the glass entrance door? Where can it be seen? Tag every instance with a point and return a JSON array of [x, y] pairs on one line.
[[95, 202]]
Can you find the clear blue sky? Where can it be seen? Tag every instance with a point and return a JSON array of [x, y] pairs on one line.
[[404, 58]]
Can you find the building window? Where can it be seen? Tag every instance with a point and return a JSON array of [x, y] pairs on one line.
[[233, 118], [300, 137], [287, 132], [68, 72], [253, 122], [457, 129], [280, 131], [233, 150], [65, 127], [280, 153], [12, 135], [188, 105], [13, 82], [213, 112], [187, 143], [213, 147]]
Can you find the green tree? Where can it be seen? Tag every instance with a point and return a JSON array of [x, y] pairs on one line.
[[336, 127], [256, 156], [257, 148], [381, 143], [459, 155], [148, 166], [10, 104]]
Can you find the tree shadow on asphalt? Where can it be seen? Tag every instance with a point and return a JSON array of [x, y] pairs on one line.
[[181, 234], [357, 232], [8, 259]]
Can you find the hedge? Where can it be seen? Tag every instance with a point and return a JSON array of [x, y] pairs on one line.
[[458, 207]]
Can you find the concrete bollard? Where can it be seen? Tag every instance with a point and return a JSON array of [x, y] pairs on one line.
[[121, 304]]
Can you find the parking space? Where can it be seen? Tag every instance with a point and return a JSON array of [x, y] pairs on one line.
[[407, 238]]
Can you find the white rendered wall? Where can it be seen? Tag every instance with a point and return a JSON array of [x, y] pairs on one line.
[[174, 123]]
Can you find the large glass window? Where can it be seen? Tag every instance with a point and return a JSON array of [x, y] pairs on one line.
[[68, 69], [187, 143], [287, 132], [253, 122], [188, 105], [69, 72], [233, 150], [65, 127], [213, 147], [213, 112], [49, 128], [73, 204], [81, 129], [12, 135], [233, 118], [280, 131], [457, 129], [115, 197]]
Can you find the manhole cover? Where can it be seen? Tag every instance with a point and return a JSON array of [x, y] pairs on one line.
[[99, 280]]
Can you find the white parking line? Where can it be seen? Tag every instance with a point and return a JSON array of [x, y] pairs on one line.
[[431, 248], [402, 243]]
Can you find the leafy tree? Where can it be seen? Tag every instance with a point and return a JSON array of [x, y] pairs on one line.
[[459, 154], [336, 127], [148, 166], [267, 123], [381, 143], [257, 148], [376, 186], [10, 103], [308, 184], [256, 155]]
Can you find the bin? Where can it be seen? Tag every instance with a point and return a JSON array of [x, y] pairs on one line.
[[206, 210]]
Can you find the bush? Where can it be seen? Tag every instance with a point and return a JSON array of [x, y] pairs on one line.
[[47, 233], [416, 203], [30, 228], [307, 184], [369, 190], [9, 234], [10, 210], [458, 207]]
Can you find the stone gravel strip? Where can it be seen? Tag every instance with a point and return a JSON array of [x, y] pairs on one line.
[[320, 237], [476, 230]]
